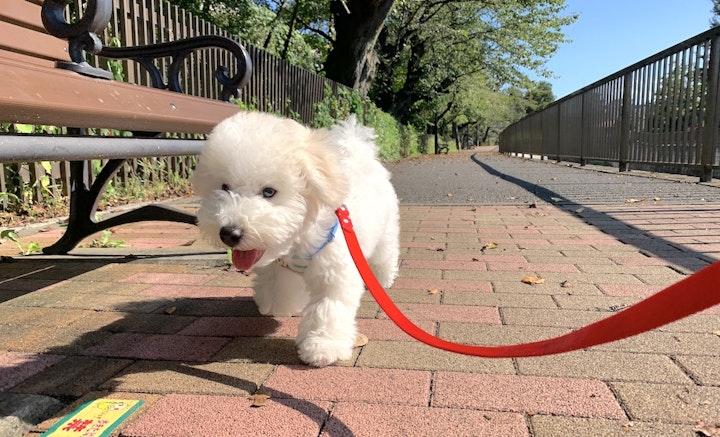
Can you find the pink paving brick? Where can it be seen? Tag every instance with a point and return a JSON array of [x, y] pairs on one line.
[[430, 245], [168, 226], [532, 267], [16, 367], [442, 284], [169, 278], [485, 257], [244, 327], [190, 290], [471, 233], [449, 313], [220, 416], [531, 394], [443, 265], [191, 230], [524, 242], [629, 290], [157, 243], [159, 347], [389, 386], [375, 329], [364, 419], [713, 310]]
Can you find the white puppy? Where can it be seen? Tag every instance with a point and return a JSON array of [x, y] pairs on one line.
[[269, 189]]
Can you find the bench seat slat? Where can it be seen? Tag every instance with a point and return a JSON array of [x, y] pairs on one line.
[[37, 95]]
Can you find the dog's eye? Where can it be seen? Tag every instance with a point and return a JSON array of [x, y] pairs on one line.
[[225, 187], [268, 192]]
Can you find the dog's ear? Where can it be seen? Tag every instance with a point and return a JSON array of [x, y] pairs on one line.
[[320, 166]]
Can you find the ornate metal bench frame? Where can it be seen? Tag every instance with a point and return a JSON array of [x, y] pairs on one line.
[[83, 39]]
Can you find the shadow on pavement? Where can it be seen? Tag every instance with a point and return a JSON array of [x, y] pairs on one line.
[[65, 374], [656, 246]]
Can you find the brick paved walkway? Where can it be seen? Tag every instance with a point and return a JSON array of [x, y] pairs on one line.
[[174, 326]]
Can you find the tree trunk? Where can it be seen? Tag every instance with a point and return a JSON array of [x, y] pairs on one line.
[[352, 60], [291, 29]]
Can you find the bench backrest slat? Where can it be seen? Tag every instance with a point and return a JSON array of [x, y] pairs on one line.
[[22, 33]]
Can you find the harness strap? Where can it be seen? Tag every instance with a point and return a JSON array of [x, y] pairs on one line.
[[300, 263], [691, 295]]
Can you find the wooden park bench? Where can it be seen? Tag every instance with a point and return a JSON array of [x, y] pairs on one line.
[[47, 81]]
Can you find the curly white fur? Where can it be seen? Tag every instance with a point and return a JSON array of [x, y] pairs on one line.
[[276, 185]]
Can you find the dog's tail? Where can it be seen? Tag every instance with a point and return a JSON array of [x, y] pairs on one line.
[[354, 139]]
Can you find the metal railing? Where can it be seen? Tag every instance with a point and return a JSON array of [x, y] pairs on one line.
[[660, 114]]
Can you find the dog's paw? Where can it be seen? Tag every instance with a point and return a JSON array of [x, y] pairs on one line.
[[268, 307], [321, 352]]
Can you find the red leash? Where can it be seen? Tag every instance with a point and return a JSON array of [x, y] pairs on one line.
[[694, 293]]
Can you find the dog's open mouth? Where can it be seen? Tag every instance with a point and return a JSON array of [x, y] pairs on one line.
[[244, 259]]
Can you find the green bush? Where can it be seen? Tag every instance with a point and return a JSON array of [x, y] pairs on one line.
[[409, 141], [393, 139], [388, 133]]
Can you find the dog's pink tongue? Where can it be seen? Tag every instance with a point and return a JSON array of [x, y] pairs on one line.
[[245, 259]]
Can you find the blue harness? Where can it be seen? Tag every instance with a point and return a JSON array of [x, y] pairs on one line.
[[300, 263]]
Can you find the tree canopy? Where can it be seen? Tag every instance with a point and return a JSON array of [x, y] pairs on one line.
[[416, 59]]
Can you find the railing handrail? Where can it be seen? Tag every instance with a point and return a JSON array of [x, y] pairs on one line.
[[661, 112], [715, 31]]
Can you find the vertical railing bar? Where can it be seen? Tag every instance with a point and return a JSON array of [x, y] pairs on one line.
[[710, 127], [625, 122]]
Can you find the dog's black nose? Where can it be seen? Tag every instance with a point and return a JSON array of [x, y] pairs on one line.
[[231, 235]]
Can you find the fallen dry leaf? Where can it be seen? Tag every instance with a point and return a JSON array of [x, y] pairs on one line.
[[489, 246], [433, 291], [532, 280], [717, 333], [170, 310], [706, 430], [566, 284], [360, 340], [259, 399], [631, 200]]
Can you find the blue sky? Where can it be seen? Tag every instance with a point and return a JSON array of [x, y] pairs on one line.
[[612, 34]]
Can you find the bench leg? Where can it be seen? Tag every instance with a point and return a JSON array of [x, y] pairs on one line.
[[83, 206]]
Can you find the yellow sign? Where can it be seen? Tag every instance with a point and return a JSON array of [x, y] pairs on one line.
[[96, 418]]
